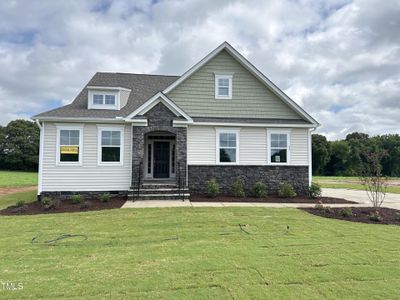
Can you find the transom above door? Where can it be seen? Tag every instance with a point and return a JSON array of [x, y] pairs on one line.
[[160, 153]]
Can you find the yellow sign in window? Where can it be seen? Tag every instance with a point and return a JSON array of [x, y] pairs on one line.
[[69, 150]]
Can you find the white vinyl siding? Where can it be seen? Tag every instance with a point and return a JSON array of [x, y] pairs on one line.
[[299, 146], [253, 145], [89, 176], [201, 146]]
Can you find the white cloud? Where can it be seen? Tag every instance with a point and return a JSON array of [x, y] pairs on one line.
[[339, 59]]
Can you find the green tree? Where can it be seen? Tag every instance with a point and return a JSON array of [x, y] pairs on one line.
[[19, 146], [320, 153], [391, 162], [339, 158], [359, 144]]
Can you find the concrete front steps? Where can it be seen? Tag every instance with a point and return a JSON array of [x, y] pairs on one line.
[[159, 191]]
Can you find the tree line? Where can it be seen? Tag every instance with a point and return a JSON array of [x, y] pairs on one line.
[[349, 156], [19, 146]]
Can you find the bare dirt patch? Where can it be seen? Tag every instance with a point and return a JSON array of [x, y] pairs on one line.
[[6, 191], [359, 214], [63, 206], [270, 199]]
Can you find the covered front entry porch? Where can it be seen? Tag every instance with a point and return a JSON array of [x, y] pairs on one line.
[[160, 156]]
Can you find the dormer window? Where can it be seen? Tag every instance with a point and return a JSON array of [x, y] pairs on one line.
[[104, 98], [223, 86], [101, 99]]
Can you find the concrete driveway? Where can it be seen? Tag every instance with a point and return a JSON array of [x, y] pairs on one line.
[[391, 200]]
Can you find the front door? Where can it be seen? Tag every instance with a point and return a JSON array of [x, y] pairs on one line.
[[161, 160]]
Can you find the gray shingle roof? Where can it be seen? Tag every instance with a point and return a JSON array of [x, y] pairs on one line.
[[142, 88]]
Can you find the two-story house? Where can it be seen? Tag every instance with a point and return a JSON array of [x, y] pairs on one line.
[[150, 135]]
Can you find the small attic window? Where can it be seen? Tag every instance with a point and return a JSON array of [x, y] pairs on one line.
[[223, 86], [103, 99]]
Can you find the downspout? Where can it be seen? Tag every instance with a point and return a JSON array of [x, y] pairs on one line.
[[40, 172], [310, 156]]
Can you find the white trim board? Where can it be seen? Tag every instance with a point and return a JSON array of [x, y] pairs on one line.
[[252, 69], [153, 101], [178, 123], [112, 88]]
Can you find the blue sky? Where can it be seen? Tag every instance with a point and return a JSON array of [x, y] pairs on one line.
[[339, 59]]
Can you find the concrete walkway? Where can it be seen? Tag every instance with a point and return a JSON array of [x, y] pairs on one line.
[[392, 201]]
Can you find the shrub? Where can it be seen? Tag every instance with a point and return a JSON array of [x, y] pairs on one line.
[[314, 191], [375, 216], [327, 210], [319, 205], [85, 205], [212, 188], [20, 203], [397, 214], [105, 197], [49, 203], [237, 189], [76, 199], [260, 189], [286, 190], [347, 212]]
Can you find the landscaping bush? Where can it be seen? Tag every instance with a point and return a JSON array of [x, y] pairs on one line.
[[49, 203], [212, 188], [319, 205], [347, 212], [20, 203], [314, 191], [259, 190], [85, 205], [76, 199], [105, 197], [286, 190], [237, 189], [376, 217]]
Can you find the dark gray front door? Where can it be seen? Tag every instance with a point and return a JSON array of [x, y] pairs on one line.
[[161, 160]]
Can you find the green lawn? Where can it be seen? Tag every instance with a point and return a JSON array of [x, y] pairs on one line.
[[198, 253], [338, 182], [17, 179]]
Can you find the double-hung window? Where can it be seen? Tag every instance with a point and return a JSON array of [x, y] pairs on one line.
[[110, 145], [103, 99], [227, 146], [223, 86], [279, 147], [69, 144]]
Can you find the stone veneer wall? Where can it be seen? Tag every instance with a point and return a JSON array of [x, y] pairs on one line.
[[225, 175], [85, 194], [159, 119]]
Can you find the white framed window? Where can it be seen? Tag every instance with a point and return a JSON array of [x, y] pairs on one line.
[[69, 144], [227, 146], [278, 147], [103, 99], [110, 145], [223, 86]]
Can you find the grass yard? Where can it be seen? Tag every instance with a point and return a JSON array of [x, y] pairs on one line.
[[338, 182], [17, 179], [198, 253]]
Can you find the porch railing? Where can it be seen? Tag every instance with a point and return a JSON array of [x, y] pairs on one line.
[[181, 183], [139, 179]]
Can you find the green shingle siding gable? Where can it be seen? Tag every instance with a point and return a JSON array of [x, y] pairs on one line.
[[250, 97]]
